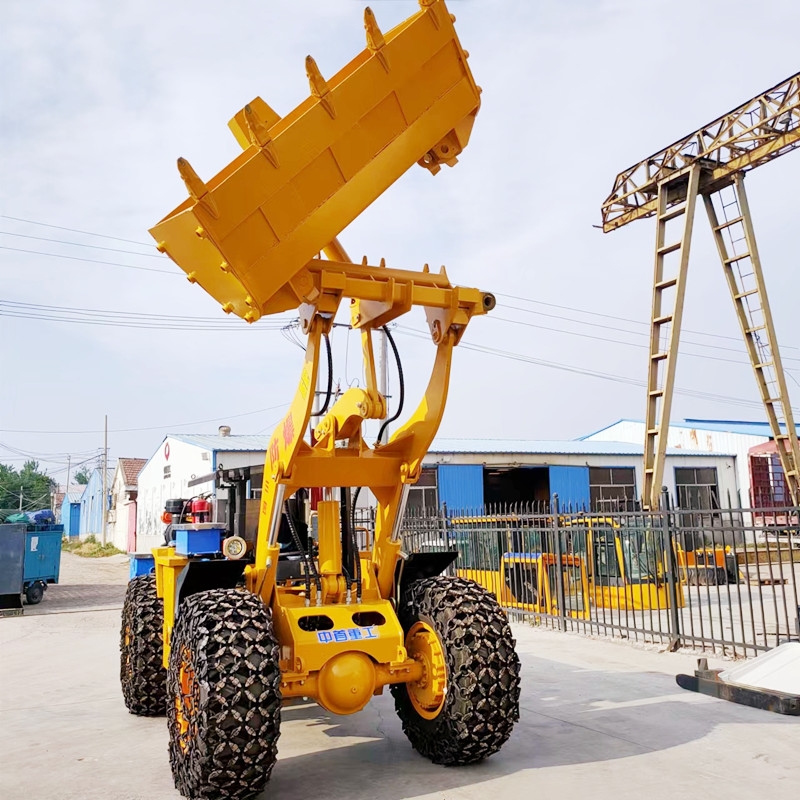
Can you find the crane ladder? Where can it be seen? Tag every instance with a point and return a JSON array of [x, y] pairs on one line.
[[736, 245]]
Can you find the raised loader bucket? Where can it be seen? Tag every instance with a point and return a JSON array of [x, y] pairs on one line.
[[247, 234]]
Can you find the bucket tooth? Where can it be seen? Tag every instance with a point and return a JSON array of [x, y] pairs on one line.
[[428, 7], [259, 134], [319, 86], [375, 40], [196, 187], [240, 128]]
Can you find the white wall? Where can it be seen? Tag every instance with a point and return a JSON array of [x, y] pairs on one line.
[[118, 514], [688, 438], [185, 462]]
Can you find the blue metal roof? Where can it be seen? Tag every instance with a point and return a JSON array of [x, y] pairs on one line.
[[74, 497], [745, 427], [215, 442], [736, 426], [546, 447]]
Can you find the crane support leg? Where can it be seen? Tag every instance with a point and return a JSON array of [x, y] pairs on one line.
[[677, 198], [736, 244]]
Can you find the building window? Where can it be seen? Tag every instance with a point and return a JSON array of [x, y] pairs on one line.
[[167, 471], [613, 488], [697, 490], [422, 496]]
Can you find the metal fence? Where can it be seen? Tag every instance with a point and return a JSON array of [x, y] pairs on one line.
[[724, 581]]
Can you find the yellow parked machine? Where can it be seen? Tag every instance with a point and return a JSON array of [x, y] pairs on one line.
[[715, 565], [228, 631], [603, 563], [625, 566], [490, 554]]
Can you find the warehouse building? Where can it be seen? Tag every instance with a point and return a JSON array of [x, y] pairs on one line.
[[472, 473], [463, 474], [750, 442]]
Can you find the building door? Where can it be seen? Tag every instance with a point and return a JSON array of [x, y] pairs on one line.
[[132, 527], [74, 519]]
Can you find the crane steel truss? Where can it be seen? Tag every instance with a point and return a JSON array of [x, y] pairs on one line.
[[711, 162]]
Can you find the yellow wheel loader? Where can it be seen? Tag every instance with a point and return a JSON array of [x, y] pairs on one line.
[[247, 626]]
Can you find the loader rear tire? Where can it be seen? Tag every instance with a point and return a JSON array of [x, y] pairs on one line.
[[141, 671], [481, 701], [224, 695]]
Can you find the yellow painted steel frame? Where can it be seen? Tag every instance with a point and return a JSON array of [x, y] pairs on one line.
[[168, 567], [341, 457], [252, 237]]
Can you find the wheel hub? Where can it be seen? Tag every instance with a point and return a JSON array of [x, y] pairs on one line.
[[427, 695]]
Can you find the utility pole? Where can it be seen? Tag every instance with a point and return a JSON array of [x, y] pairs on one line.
[[20, 501], [104, 503], [69, 463]]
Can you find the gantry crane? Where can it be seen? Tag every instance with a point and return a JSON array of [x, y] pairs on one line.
[[711, 162]]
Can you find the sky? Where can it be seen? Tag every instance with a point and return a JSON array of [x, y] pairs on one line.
[[98, 100]]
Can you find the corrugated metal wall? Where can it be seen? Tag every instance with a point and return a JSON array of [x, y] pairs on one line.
[[91, 519], [460, 486], [571, 484]]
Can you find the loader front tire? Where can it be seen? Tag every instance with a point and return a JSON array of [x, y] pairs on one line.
[[224, 695], [141, 670], [472, 717]]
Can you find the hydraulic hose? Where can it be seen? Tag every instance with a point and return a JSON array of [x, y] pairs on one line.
[[354, 542], [330, 379], [308, 562], [402, 400]]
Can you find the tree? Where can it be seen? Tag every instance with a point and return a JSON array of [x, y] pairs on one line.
[[82, 476], [28, 489]]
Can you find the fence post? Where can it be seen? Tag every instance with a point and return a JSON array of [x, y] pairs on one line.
[[562, 600], [673, 578]]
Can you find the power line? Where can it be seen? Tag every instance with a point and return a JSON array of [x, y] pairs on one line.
[[174, 273], [129, 319], [74, 230], [612, 316], [618, 329], [154, 427], [595, 338], [585, 372], [80, 244]]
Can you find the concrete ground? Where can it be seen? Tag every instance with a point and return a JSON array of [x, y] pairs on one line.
[[599, 719]]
